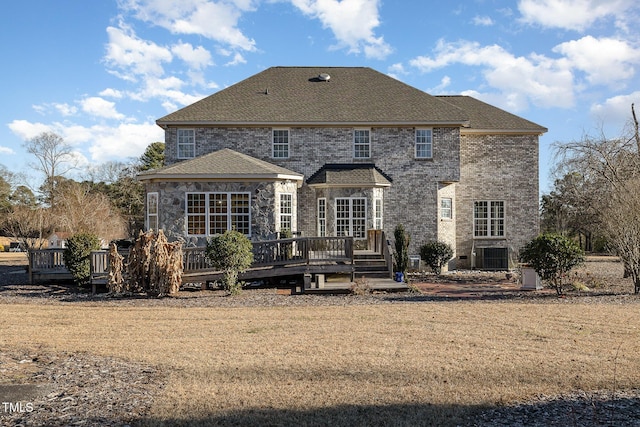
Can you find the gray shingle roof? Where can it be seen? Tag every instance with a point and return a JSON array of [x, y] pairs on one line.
[[222, 164], [352, 175], [486, 117], [295, 95]]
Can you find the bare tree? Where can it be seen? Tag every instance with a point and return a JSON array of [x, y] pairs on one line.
[[78, 209], [29, 225], [611, 167], [621, 223], [54, 158]]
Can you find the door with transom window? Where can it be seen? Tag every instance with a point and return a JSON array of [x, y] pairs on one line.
[[351, 217]]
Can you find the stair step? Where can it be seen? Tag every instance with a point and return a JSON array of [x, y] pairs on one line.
[[372, 275], [370, 262], [368, 256], [371, 268]]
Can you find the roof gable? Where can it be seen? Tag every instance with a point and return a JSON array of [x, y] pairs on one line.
[[222, 164], [349, 175], [296, 95]]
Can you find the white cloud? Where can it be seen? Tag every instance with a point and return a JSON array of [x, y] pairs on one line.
[[616, 109], [197, 58], [605, 61], [100, 107], [132, 57], [544, 82], [66, 109], [482, 21], [124, 141], [574, 14], [26, 130], [351, 21], [237, 59], [6, 150], [214, 20], [112, 93], [440, 89], [98, 143]]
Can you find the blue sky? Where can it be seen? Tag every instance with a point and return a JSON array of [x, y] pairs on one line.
[[99, 73]]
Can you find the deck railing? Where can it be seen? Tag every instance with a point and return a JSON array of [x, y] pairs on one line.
[[47, 259], [300, 250]]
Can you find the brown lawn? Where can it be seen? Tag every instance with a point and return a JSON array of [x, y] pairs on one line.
[[416, 363]]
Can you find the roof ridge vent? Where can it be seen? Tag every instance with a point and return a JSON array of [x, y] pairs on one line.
[[324, 77]]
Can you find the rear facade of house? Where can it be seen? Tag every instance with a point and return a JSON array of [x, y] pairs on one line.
[[340, 151]]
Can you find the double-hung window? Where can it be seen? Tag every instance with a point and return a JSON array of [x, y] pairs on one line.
[[361, 143], [446, 208], [152, 211], [186, 143], [424, 144], [280, 143], [286, 212], [488, 219], [351, 217], [214, 213]]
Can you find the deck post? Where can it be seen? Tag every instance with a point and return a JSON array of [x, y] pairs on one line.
[[30, 255]]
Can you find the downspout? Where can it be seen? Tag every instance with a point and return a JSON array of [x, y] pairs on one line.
[[473, 255]]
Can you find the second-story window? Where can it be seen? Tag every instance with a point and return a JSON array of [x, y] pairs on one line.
[[281, 143], [424, 146], [186, 143], [361, 144]]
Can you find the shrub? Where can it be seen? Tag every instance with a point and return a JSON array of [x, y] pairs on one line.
[[77, 256], [232, 253], [552, 256], [436, 255], [402, 248]]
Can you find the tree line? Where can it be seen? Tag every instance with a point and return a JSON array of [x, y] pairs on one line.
[[108, 201]]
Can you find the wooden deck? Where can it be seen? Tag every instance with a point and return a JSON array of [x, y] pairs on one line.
[[305, 258]]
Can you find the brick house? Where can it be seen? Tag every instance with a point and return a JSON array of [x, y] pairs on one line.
[[332, 151]]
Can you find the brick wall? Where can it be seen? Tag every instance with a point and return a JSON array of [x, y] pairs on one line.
[[467, 168], [497, 167]]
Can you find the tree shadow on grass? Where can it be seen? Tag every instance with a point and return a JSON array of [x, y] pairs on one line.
[[345, 415], [581, 410]]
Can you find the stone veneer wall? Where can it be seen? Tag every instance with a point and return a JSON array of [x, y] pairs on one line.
[[497, 167], [411, 200], [264, 205]]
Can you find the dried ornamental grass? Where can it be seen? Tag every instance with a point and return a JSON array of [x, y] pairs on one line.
[[155, 265], [115, 281]]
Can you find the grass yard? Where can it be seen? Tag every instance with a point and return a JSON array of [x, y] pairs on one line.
[[420, 363]]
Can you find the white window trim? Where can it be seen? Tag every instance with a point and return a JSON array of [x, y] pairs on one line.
[[442, 210], [351, 218], [153, 195], [368, 144], [430, 144], [322, 219], [489, 219], [282, 215], [207, 213], [273, 143], [178, 144], [378, 213]]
